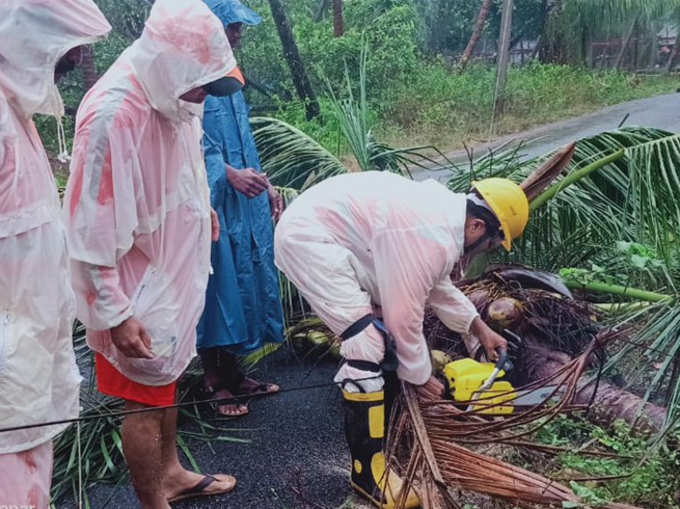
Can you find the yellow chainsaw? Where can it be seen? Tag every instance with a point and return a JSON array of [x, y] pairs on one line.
[[477, 385]]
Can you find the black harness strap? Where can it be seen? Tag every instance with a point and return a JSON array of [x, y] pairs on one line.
[[357, 327], [364, 365], [389, 362]]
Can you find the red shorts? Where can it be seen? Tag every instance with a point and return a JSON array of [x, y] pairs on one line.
[[112, 382]]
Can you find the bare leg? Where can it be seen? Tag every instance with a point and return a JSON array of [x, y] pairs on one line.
[[176, 478], [218, 369], [142, 446]]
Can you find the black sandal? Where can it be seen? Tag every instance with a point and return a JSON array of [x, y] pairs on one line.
[[199, 489], [211, 393]]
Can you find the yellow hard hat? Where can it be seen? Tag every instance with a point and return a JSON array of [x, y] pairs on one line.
[[510, 204]]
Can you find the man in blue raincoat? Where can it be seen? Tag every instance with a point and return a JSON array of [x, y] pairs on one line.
[[243, 309]]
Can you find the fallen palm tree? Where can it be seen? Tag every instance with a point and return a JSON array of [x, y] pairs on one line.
[[554, 328], [572, 220], [438, 463]]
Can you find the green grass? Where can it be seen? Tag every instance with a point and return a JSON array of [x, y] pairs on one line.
[[649, 477], [446, 109], [437, 106]]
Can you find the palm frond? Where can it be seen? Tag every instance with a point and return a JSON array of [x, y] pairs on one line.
[[619, 10], [354, 115], [290, 157], [250, 361], [631, 198]]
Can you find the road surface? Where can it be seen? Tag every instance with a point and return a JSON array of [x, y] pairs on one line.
[[296, 457], [661, 112]]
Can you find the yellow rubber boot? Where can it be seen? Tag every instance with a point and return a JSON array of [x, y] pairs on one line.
[[365, 431]]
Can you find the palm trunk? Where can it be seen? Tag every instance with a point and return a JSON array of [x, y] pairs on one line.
[[625, 44], [90, 76], [476, 34], [338, 20], [674, 53], [651, 59], [301, 80], [503, 57], [609, 402]]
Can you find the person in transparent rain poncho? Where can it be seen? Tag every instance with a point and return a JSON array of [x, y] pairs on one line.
[[40, 41], [243, 307], [138, 217], [369, 251]]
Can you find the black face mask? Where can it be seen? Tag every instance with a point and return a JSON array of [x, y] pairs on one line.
[[223, 87], [64, 66]]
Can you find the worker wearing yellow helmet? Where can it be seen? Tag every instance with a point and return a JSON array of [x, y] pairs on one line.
[[506, 206], [369, 252]]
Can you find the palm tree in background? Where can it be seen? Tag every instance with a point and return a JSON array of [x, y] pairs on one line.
[[292, 54], [338, 19]]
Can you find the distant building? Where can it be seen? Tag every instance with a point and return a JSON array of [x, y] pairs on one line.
[[667, 35]]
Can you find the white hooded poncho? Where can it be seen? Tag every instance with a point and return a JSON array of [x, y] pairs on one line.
[[137, 205], [39, 379], [374, 239]]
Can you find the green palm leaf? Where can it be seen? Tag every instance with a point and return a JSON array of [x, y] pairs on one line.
[[623, 9], [290, 157]]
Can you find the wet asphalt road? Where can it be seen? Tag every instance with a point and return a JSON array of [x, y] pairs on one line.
[[297, 457], [661, 112]]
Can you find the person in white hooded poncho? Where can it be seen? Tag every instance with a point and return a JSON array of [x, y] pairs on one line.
[[371, 243], [39, 380], [138, 218]]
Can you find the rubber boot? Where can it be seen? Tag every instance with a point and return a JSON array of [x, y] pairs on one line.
[[365, 431]]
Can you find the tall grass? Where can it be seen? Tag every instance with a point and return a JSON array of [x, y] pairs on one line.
[[440, 107], [444, 108]]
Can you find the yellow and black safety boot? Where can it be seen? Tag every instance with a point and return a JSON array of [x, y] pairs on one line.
[[365, 431]]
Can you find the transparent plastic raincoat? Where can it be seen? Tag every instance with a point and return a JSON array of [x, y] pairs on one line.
[[137, 205], [243, 307], [362, 240], [39, 378]]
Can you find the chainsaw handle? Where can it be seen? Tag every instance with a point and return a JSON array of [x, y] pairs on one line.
[[502, 358]]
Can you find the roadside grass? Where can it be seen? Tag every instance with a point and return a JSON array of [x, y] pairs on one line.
[[642, 475], [437, 106], [447, 109]]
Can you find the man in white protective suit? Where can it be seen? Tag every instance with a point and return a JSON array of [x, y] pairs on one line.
[[358, 242], [40, 41], [138, 218]]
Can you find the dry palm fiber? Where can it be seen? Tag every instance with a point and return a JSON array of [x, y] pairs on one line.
[[533, 305], [427, 434], [543, 176]]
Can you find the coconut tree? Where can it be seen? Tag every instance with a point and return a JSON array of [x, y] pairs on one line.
[[338, 19], [476, 33], [571, 23], [291, 52]]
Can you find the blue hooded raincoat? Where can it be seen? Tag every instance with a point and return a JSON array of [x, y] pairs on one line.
[[243, 308]]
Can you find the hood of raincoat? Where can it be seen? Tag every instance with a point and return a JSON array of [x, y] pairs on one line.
[[35, 34], [183, 46], [233, 11]]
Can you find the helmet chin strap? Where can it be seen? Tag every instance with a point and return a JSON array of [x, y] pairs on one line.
[[474, 198], [467, 250]]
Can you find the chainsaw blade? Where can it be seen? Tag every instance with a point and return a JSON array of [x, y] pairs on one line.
[[534, 397]]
